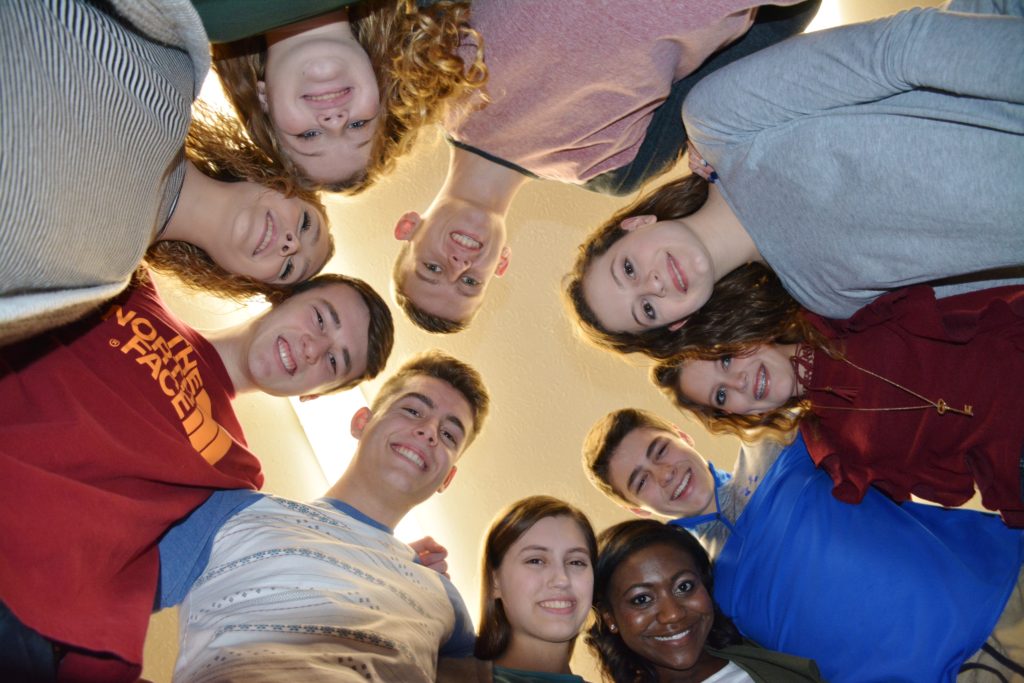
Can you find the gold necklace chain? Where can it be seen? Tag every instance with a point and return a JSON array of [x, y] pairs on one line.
[[940, 406]]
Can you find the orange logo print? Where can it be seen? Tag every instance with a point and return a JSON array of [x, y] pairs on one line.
[[171, 365]]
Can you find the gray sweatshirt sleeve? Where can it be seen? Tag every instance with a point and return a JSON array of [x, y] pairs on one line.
[[977, 55]]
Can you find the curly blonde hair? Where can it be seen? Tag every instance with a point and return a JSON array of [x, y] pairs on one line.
[[414, 53], [231, 158]]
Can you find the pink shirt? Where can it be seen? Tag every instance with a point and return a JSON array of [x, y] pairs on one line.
[[574, 83]]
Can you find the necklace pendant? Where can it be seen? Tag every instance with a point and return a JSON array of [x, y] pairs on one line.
[[941, 407]]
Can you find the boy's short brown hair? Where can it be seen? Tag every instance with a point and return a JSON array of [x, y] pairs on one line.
[[439, 365], [603, 440]]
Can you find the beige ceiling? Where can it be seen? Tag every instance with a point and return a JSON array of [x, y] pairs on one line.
[[547, 387]]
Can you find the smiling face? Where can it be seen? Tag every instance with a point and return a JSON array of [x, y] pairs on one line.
[[657, 274], [312, 342], [270, 237], [756, 383], [454, 251], [661, 472], [663, 612], [545, 582], [410, 446], [321, 94]]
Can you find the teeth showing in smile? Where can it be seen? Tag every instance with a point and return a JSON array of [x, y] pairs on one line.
[[682, 485], [268, 234], [677, 275], [762, 383], [327, 95], [465, 240], [412, 456], [284, 351], [673, 637], [557, 604]]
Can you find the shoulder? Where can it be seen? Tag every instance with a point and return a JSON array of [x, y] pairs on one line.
[[769, 665]]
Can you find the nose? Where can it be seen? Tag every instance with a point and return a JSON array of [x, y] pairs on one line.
[[459, 265], [333, 121], [289, 245], [559, 578], [738, 380], [313, 348], [666, 473], [427, 432], [655, 283], [670, 611]]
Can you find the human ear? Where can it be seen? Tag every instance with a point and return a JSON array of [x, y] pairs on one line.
[[359, 422], [447, 479], [495, 586], [503, 261], [609, 621], [634, 222], [686, 437], [407, 225], [261, 94], [677, 325], [639, 512], [308, 397]]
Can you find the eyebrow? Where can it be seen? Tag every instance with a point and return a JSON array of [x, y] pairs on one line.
[[431, 281], [333, 313], [615, 277], [618, 283], [544, 548], [346, 357], [316, 234], [636, 471], [307, 154], [424, 278], [430, 404]]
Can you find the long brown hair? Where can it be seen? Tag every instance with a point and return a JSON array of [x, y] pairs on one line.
[[232, 158], [510, 524], [413, 51], [753, 288], [779, 424]]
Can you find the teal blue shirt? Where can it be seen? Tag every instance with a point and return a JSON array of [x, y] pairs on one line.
[[506, 675]]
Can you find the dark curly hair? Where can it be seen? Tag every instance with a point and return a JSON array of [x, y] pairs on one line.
[[753, 288], [615, 545]]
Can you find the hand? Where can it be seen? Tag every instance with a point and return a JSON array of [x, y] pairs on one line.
[[431, 554], [699, 164]]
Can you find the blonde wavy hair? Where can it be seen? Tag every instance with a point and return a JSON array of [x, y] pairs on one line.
[[414, 53], [231, 158]]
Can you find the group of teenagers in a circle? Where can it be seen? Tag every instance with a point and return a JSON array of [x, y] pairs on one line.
[[839, 281]]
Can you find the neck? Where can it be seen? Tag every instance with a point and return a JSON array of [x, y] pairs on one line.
[[706, 666], [232, 345], [481, 182], [368, 498], [536, 655], [202, 210], [719, 229]]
